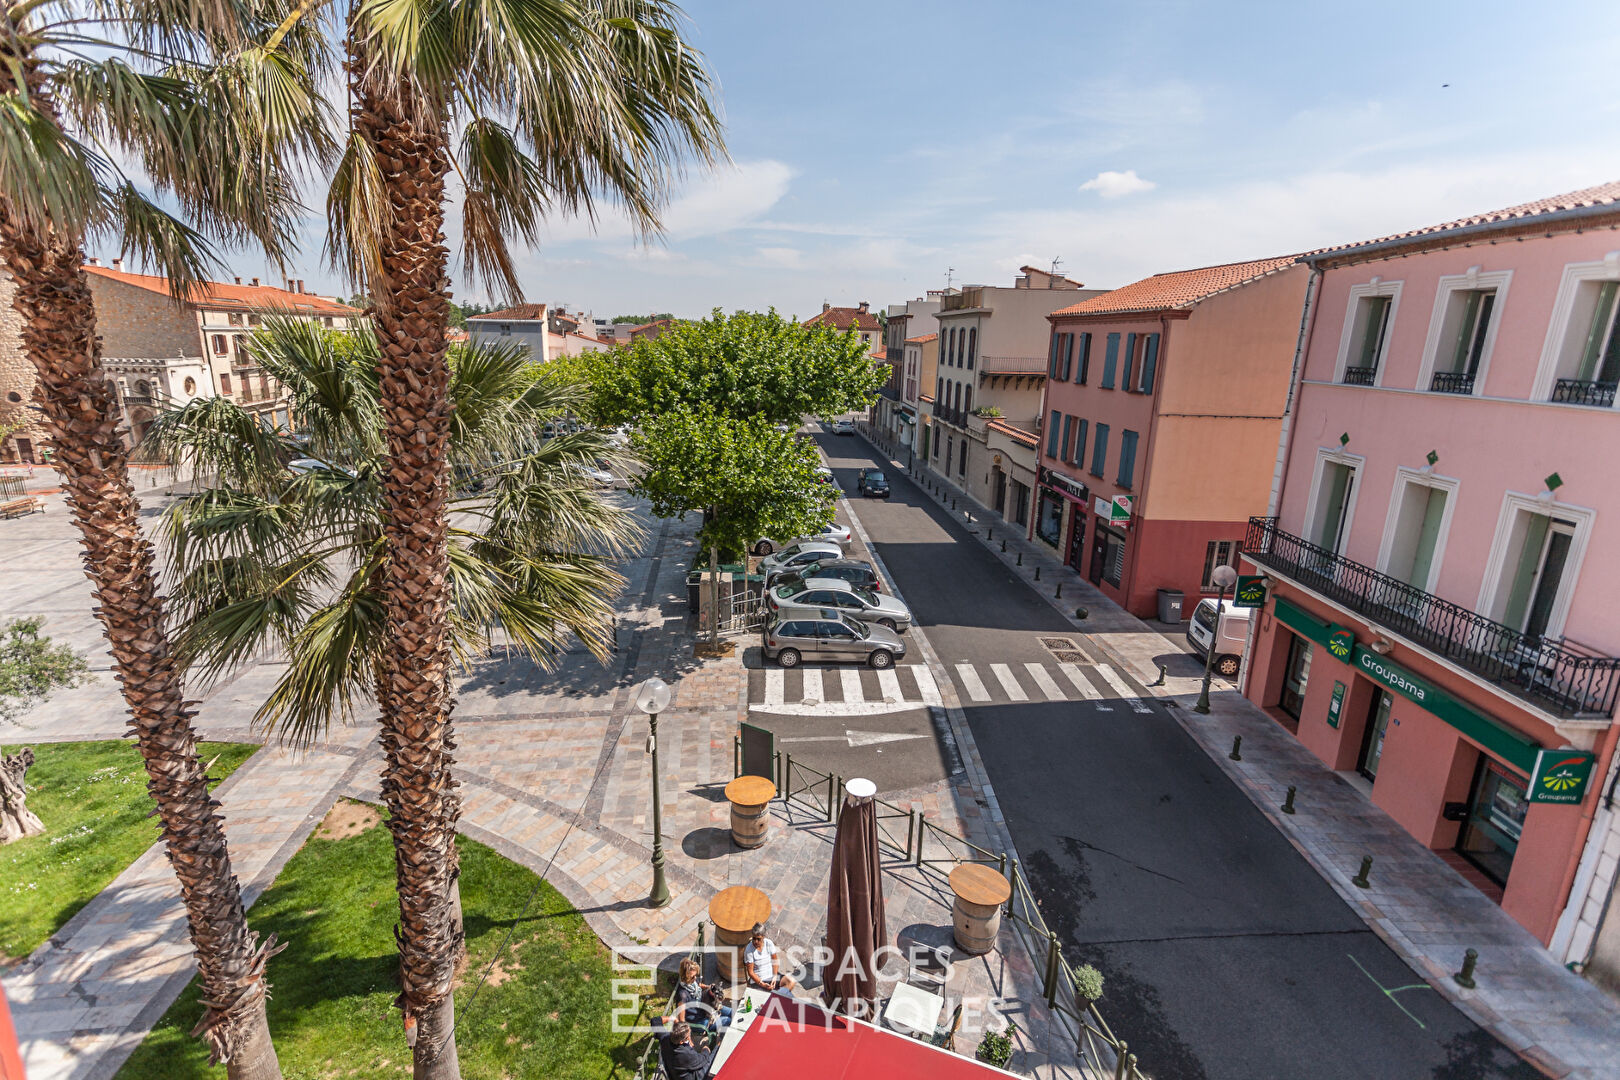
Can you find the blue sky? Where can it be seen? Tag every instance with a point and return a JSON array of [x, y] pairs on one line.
[[876, 144]]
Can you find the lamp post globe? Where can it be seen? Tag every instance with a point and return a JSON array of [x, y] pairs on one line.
[[1224, 577], [652, 697]]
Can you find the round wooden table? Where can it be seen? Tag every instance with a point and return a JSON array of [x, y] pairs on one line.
[[749, 797], [976, 913], [734, 912]]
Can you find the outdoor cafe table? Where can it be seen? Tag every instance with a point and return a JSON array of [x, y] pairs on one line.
[[740, 1022], [913, 1010]]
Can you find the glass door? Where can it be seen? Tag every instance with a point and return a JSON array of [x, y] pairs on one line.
[[1372, 743], [1496, 809], [1296, 675]]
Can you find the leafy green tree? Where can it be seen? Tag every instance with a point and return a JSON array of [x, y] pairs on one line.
[[31, 666], [637, 320]]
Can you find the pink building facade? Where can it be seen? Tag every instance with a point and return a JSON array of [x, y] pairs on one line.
[[1442, 559]]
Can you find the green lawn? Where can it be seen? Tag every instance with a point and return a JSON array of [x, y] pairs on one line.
[[545, 1013], [92, 798]]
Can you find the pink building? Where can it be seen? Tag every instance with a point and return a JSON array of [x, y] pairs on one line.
[[1443, 559]]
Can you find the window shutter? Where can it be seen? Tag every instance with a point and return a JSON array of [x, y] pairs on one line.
[[973, 345], [1068, 355], [1085, 358], [1068, 434], [1052, 435], [1080, 442], [1051, 358], [1110, 358], [1150, 362], [1127, 458], [1099, 451], [1130, 360]]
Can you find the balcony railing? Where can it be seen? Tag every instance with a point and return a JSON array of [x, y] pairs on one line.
[[1584, 392], [1554, 675], [1360, 376], [1452, 382], [1013, 365]]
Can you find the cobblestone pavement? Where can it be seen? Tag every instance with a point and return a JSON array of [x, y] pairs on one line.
[[555, 774], [1419, 905]]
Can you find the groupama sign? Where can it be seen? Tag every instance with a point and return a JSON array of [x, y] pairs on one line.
[[1561, 776]]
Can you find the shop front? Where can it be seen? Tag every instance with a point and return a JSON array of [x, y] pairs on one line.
[[1062, 517], [1488, 786]]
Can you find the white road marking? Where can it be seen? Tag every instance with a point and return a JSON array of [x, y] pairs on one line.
[[774, 679], [971, 682], [1083, 685], [852, 686], [1051, 689], [1112, 679], [871, 738], [1004, 675], [889, 685], [814, 693], [926, 684]]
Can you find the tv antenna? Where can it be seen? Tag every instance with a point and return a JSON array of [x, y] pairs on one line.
[[1057, 266], [949, 270]]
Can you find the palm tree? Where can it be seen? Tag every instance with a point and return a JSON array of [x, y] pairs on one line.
[[180, 90], [556, 104]]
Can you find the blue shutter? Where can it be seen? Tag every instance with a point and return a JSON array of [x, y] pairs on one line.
[[1068, 433], [1150, 362], [973, 344], [1080, 443], [1110, 358], [1051, 358], [1052, 435], [1127, 458], [1068, 355], [1130, 359], [1085, 358], [1099, 452]]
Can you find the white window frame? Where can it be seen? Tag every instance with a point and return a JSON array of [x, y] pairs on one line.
[[1405, 477], [1236, 553], [1474, 278], [1559, 344], [1377, 286], [1337, 456], [1513, 502]]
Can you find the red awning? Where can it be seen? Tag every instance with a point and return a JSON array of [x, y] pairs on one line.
[[795, 1040]]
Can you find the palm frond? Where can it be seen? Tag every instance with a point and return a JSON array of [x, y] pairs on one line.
[[159, 239], [48, 179], [357, 213], [332, 663]]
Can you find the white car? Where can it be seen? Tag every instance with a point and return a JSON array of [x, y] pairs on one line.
[[599, 477], [864, 604], [806, 551], [843, 427], [830, 534]]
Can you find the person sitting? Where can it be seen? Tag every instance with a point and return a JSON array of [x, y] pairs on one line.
[[698, 1003], [762, 961], [682, 1060]]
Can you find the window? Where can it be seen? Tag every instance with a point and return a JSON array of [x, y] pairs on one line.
[[1218, 553], [221, 346], [1328, 515], [1080, 443], [1052, 435], [326, 321], [1110, 359], [1600, 355], [1052, 351], [1366, 333], [1068, 436], [1125, 382], [253, 320], [1146, 357], [1415, 533], [1580, 364], [973, 345], [1113, 545], [190, 385], [1127, 459], [1464, 330], [1296, 676], [961, 468], [1084, 359], [234, 318], [967, 399], [506, 329], [1099, 451], [225, 384], [956, 346], [1537, 573], [1020, 503]]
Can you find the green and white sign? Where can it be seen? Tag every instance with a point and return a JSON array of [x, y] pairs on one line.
[[1251, 591], [1336, 704], [1119, 511], [1561, 776], [1341, 642]]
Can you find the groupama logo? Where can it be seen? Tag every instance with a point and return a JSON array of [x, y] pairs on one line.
[[1562, 776], [1340, 642]]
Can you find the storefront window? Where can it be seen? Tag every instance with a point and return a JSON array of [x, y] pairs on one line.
[[1049, 525], [1296, 674], [1496, 811], [1372, 743], [1113, 543], [1020, 503]]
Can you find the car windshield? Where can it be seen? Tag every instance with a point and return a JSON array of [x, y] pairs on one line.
[[1204, 615], [873, 475], [868, 596], [858, 626], [792, 588]]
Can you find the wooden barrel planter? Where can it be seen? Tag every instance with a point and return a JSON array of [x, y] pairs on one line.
[[750, 798], [976, 912], [734, 912]]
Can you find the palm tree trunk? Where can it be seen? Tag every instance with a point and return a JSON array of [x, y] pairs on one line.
[[59, 336], [412, 314]]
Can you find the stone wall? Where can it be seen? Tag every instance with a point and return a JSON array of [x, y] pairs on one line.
[[17, 381], [137, 322]]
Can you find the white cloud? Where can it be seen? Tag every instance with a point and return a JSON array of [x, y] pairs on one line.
[[1112, 185], [711, 203], [784, 257]]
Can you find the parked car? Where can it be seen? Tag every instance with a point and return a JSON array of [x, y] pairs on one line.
[[843, 427], [1232, 639], [822, 634], [796, 555], [872, 483], [833, 533], [854, 571], [864, 604], [600, 477]]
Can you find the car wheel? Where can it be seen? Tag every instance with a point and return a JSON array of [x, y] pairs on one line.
[[881, 658], [763, 548], [788, 658], [890, 623], [1227, 666]]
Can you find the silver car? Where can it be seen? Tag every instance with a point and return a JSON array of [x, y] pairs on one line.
[[863, 603], [821, 635], [833, 533], [805, 551]]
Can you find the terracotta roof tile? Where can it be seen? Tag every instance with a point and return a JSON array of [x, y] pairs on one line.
[[1016, 433], [240, 297], [921, 339], [1179, 289], [1598, 195], [516, 313], [842, 318]]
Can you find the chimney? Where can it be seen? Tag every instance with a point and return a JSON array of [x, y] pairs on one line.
[[289, 285], [863, 307], [300, 285], [239, 279], [92, 261], [825, 307], [118, 264], [255, 281]]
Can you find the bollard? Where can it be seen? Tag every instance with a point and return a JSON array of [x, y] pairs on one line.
[[1360, 880], [1059, 593], [1162, 672], [1237, 748], [1465, 977], [1020, 559], [953, 502], [990, 535], [1288, 803], [1037, 573], [1004, 546]]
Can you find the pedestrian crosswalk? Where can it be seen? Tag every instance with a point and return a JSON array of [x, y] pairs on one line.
[[858, 691]]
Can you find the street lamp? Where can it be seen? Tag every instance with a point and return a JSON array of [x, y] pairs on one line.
[[652, 698], [1225, 577]]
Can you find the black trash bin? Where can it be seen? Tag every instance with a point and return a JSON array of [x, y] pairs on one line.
[[1170, 601]]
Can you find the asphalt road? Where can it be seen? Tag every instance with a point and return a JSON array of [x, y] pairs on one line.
[[1225, 956]]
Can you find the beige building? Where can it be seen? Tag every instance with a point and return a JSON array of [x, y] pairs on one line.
[[894, 414], [860, 319]]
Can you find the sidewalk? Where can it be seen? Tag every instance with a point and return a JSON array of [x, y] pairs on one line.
[[1422, 908]]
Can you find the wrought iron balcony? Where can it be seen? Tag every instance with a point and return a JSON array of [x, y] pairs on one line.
[[1452, 382], [1584, 392], [1556, 676], [1360, 376]]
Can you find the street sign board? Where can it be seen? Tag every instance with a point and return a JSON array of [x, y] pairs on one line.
[[1119, 511], [1336, 704], [1251, 591], [758, 752], [1561, 776]]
